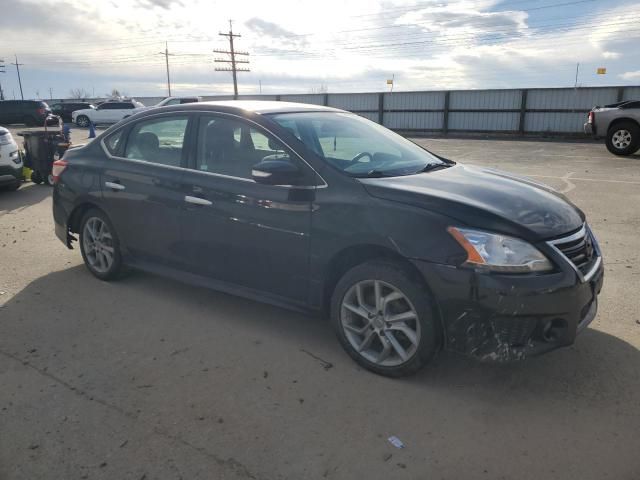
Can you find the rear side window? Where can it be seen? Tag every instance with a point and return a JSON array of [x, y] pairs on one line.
[[158, 141]]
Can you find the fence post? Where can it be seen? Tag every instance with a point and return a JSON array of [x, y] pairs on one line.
[[445, 116], [278, 98], [381, 108], [523, 110], [620, 94], [325, 99]]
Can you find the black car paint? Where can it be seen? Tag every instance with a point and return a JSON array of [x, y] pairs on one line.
[[30, 112], [65, 109], [288, 245]]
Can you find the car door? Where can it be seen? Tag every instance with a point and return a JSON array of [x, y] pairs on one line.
[[239, 231], [141, 186], [102, 113]]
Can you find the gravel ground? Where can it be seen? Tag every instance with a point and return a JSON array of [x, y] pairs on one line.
[[148, 378]]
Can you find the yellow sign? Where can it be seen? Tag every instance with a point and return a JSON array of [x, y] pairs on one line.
[[601, 70], [389, 82]]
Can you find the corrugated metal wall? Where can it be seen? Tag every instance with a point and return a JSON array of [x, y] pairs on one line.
[[536, 110]]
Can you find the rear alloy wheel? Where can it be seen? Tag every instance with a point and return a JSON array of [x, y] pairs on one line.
[[99, 246], [49, 179], [623, 138], [384, 319], [82, 121]]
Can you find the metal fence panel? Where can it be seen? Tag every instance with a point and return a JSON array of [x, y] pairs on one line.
[[484, 121], [414, 120], [414, 101], [555, 122], [570, 98], [213, 98], [313, 98], [371, 116], [256, 97], [354, 101], [631, 93], [485, 99]]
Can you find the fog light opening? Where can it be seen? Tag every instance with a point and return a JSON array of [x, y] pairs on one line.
[[552, 330]]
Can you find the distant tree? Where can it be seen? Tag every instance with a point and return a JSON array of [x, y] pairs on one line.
[[322, 88], [78, 93]]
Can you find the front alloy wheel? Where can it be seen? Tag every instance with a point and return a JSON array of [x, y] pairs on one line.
[[385, 318], [82, 121], [380, 323]]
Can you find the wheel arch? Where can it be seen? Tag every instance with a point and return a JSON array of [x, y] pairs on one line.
[[347, 258], [75, 217], [617, 121]]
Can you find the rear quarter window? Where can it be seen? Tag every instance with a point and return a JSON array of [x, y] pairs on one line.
[[114, 141]]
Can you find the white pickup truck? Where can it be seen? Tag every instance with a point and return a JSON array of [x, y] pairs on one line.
[[619, 123]]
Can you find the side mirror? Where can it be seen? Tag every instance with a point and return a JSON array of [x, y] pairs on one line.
[[276, 172]]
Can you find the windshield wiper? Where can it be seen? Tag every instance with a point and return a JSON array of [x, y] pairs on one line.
[[429, 167]]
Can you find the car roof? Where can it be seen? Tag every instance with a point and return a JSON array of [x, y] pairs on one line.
[[267, 106]]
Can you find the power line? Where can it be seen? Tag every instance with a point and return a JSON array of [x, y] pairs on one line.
[[232, 53]]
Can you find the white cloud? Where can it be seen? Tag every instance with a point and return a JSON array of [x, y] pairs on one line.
[[630, 75]]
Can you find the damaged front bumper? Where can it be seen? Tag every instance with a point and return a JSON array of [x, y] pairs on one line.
[[510, 317]]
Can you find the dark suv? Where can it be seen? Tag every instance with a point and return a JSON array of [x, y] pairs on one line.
[[319, 209], [65, 109], [29, 112]]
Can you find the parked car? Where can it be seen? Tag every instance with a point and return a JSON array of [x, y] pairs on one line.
[[65, 109], [28, 112], [107, 112], [319, 209], [619, 124], [167, 102], [10, 161]]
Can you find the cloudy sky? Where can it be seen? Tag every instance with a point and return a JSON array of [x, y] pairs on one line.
[[303, 46]]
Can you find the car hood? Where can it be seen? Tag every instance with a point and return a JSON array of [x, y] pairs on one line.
[[486, 199], [83, 111]]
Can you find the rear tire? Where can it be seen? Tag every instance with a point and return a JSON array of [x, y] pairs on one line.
[[100, 246], [83, 121], [623, 138], [385, 319], [49, 179]]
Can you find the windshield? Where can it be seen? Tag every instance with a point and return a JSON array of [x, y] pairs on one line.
[[357, 146]]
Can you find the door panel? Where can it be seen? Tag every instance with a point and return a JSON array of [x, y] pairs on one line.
[[251, 235], [143, 190]]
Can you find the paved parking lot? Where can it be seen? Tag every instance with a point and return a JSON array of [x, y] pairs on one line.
[[148, 378]]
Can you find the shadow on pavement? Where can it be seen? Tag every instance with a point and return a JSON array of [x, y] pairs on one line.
[[28, 194]]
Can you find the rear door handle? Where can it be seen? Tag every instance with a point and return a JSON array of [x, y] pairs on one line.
[[114, 186], [198, 201]]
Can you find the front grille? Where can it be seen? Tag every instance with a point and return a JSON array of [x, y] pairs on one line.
[[579, 249]]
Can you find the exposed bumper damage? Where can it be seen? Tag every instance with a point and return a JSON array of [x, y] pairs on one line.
[[505, 318]]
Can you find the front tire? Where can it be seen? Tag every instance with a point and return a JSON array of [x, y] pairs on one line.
[[385, 319], [623, 138], [82, 121], [99, 246]]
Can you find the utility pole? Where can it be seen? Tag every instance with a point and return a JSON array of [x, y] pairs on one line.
[[2, 70], [166, 58], [233, 61], [18, 70], [575, 85], [51, 93]]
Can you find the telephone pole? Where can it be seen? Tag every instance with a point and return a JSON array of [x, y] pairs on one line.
[[2, 70], [166, 58], [18, 70], [232, 59]]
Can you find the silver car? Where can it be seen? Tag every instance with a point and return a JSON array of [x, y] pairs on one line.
[[619, 123]]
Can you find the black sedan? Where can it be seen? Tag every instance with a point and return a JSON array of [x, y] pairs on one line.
[[321, 210]]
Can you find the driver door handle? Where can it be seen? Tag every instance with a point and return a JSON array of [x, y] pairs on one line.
[[114, 186], [198, 201]]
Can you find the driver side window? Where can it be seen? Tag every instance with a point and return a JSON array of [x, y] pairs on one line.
[[232, 147]]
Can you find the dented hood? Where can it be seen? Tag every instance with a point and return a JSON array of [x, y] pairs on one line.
[[484, 198]]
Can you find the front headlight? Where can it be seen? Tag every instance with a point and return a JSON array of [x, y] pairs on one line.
[[496, 252]]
